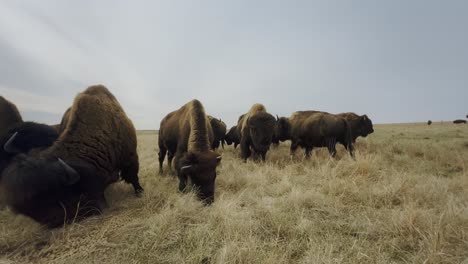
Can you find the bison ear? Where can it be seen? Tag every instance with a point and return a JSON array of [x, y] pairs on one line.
[[9, 146], [71, 175]]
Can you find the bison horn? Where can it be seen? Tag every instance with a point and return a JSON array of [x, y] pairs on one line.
[[184, 169], [73, 176], [277, 118], [9, 147], [219, 158]]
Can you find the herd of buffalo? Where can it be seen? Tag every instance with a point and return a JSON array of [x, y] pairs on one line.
[[58, 174]]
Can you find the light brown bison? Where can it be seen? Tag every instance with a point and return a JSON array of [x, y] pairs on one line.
[[186, 135], [309, 129], [67, 180], [361, 126], [256, 129], [219, 132], [233, 136]]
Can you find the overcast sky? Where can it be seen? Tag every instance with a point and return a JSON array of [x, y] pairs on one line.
[[397, 61]]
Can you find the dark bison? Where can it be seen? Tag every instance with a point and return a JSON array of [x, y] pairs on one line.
[[309, 129], [9, 115], [459, 121], [219, 132], [256, 129], [67, 180], [429, 122], [361, 126], [186, 135], [233, 137], [17, 136]]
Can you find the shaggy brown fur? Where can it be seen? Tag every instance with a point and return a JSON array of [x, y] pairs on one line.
[[187, 134], [9, 115], [309, 129], [97, 146], [256, 130], [64, 122], [219, 132], [361, 126]]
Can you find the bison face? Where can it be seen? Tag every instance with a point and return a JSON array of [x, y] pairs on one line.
[[231, 136], [43, 189], [200, 167], [262, 128], [366, 126], [283, 129]]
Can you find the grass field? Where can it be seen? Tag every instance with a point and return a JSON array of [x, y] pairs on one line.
[[404, 200]]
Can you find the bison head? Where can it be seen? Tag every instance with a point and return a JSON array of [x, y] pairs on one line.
[[283, 129], [232, 136], [365, 127], [44, 189], [200, 167], [262, 128], [28, 135]]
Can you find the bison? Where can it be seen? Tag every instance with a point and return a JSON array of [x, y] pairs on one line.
[[219, 132], [459, 121], [233, 137], [256, 129], [360, 125], [17, 136], [67, 180], [309, 129], [187, 136], [429, 122]]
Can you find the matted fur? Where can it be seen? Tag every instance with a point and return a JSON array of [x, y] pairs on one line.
[[99, 143]]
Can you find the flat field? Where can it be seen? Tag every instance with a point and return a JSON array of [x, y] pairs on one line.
[[404, 200]]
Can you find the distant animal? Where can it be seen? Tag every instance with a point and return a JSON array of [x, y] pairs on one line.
[[66, 181], [459, 121], [219, 132], [361, 126], [309, 129], [429, 122], [233, 137], [187, 136], [256, 129]]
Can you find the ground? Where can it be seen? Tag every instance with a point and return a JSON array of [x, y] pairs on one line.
[[404, 200]]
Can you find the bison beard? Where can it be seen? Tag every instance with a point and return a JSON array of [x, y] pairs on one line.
[[186, 135], [67, 181]]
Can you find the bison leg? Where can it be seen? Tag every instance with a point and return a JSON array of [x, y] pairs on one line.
[[331, 145], [162, 156], [294, 146], [130, 174], [308, 151], [235, 145], [245, 150]]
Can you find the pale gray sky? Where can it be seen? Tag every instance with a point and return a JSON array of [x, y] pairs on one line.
[[397, 61]]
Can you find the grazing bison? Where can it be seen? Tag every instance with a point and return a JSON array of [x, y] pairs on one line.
[[233, 137], [360, 125], [67, 180], [309, 129], [256, 129], [459, 121], [187, 134], [429, 122], [219, 132]]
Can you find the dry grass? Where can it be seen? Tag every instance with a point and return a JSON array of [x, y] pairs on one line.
[[403, 201]]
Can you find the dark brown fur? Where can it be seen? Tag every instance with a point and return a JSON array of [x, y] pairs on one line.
[[256, 129], [233, 137], [9, 115], [309, 129], [98, 143], [361, 126], [429, 122], [219, 132], [186, 135]]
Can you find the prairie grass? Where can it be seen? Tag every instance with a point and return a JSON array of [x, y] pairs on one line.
[[404, 200]]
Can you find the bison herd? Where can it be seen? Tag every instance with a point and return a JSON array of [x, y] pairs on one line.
[[58, 174]]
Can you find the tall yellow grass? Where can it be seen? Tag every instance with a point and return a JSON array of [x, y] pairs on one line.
[[404, 200]]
